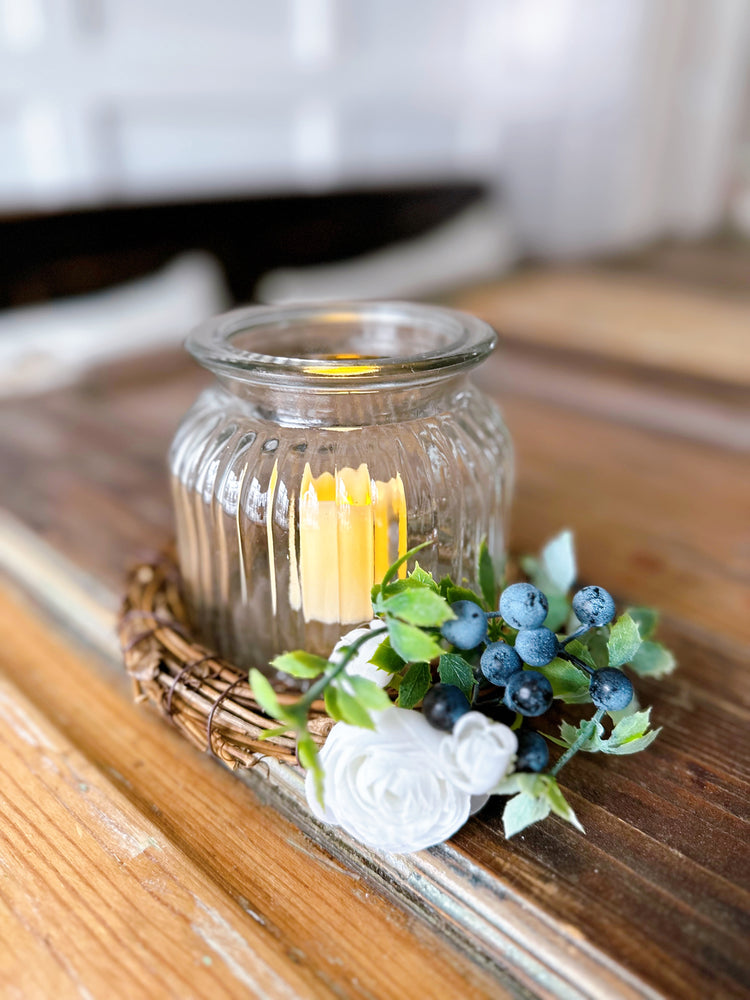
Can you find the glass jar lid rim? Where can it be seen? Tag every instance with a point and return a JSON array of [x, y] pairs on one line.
[[460, 341]]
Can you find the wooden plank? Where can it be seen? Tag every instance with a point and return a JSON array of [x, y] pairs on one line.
[[620, 315], [136, 865], [481, 915], [652, 898]]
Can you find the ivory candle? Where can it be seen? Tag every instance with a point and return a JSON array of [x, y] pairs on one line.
[[351, 528]]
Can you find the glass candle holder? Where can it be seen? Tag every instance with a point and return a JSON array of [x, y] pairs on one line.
[[335, 437]]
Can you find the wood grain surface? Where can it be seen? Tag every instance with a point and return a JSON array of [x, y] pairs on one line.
[[647, 462]]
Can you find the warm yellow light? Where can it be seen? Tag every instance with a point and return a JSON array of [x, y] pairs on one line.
[[351, 528]]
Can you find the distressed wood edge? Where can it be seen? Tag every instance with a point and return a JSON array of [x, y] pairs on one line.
[[493, 922]]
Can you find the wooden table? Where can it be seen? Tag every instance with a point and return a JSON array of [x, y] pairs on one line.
[[132, 866]]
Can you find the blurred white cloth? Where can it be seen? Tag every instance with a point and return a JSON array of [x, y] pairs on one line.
[[45, 346]]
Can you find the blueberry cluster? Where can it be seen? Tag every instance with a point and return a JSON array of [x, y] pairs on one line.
[[527, 692]]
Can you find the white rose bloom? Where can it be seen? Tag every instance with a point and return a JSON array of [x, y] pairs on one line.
[[477, 754], [383, 786], [359, 665]]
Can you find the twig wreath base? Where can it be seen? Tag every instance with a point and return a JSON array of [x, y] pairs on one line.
[[206, 698], [463, 656]]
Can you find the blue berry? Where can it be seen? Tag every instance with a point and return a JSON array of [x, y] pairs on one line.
[[498, 662], [610, 689], [533, 752], [593, 606], [528, 692], [443, 706], [468, 628], [537, 646], [523, 606]]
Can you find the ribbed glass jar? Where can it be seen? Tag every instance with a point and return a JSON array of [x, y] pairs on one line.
[[335, 437]]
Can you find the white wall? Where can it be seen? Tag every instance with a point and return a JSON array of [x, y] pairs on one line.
[[605, 121]]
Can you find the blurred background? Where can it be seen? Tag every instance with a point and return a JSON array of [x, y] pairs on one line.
[[163, 159]]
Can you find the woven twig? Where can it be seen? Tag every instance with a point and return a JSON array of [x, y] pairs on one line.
[[206, 698]]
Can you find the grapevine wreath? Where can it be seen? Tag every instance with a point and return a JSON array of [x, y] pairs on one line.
[[446, 697]]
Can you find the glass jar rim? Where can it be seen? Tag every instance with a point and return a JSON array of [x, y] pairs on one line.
[[446, 342]]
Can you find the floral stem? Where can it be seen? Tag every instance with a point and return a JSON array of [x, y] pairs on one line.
[[586, 733], [322, 683], [574, 635], [565, 655]]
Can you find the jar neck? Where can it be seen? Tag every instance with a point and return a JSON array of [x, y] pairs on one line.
[[347, 407]]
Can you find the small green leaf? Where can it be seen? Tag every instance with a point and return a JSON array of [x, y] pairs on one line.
[[455, 593], [631, 726], [352, 710], [331, 700], [624, 641], [509, 785], [646, 619], [653, 660], [632, 746], [411, 643], [486, 574], [265, 695], [300, 664], [577, 648], [386, 658], [453, 669], [523, 810], [570, 734], [396, 566], [569, 682], [368, 693], [414, 686], [420, 575], [419, 606], [307, 751], [558, 563], [559, 804], [596, 643]]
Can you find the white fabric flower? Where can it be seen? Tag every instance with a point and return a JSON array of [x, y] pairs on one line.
[[477, 754], [359, 665], [383, 786]]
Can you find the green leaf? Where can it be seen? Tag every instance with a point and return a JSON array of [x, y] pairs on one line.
[[653, 660], [523, 810], [419, 606], [453, 669], [331, 700], [456, 593], [558, 563], [386, 658], [577, 648], [368, 693], [632, 746], [396, 566], [631, 726], [352, 710], [568, 681], [414, 686], [624, 641], [596, 643], [307, 751], [646, 619], [411, 643], [300, 664], [559, 804], [570, 734], [420, 575], [265, 695], [268, 734], [486, 574]]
